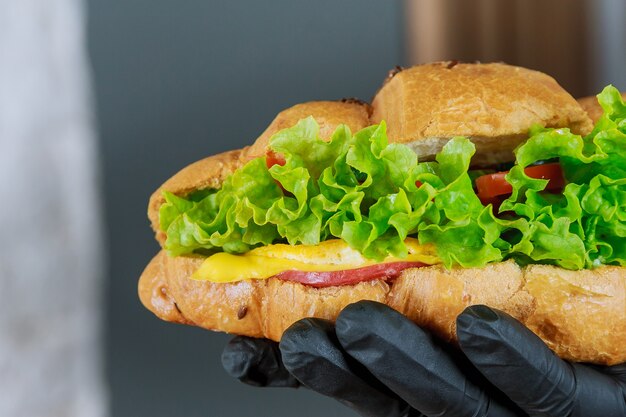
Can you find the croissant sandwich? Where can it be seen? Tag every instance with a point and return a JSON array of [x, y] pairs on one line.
[[459, 184]]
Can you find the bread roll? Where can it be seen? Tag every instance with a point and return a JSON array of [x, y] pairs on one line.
[[581, 315], [257, 308], [426, 105], [207, 173], [328, 114]]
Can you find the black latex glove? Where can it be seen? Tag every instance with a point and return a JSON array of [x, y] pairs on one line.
[[379, 363]]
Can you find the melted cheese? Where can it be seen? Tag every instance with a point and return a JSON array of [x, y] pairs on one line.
[[330, 255]]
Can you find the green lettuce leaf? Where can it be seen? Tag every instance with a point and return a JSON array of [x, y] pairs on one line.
[[584, 225], [373, 195], [463, 230]]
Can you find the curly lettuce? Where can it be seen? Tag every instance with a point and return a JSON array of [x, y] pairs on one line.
[[372, 194], [584, 226]]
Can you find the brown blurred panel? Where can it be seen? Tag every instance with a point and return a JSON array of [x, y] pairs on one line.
[[547, 35]]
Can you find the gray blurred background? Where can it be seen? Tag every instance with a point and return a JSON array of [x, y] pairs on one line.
[[177, 81], [102, 100]]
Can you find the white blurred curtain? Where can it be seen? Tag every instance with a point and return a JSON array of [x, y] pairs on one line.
[[50, 234]]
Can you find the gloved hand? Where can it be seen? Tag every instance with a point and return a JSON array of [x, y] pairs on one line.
[[379, 363]]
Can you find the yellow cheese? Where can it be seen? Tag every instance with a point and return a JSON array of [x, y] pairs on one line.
[[330, 255]]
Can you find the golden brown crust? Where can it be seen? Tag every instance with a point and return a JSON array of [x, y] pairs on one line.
[[256, 308], [328, 114], [426, 105], [433, 297], [206, 173], [581, 315], [591, 106], [154, 291]]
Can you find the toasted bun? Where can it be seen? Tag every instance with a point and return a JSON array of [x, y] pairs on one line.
[[592, 107], [328, 114], [255, 308], [579, 314], [207, 173], [492, 104]]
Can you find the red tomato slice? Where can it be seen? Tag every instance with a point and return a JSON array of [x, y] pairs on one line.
[[349, 276], [493, 185], [552, 172], [272, 158]]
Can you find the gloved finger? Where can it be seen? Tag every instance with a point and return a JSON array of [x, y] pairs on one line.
[[312, 354], [407, 360], [618, 372], [597, 394], [256, 362], [517, 362]]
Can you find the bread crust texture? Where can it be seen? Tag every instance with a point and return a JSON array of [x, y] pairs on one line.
[[580, 315], [426, 105]]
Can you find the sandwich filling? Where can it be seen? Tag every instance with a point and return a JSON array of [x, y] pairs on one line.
[[379, 201], [319, 265]]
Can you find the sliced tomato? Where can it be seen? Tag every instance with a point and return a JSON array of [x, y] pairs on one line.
[[349, 276], [491, 186], [272, 158], [552, 172]]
